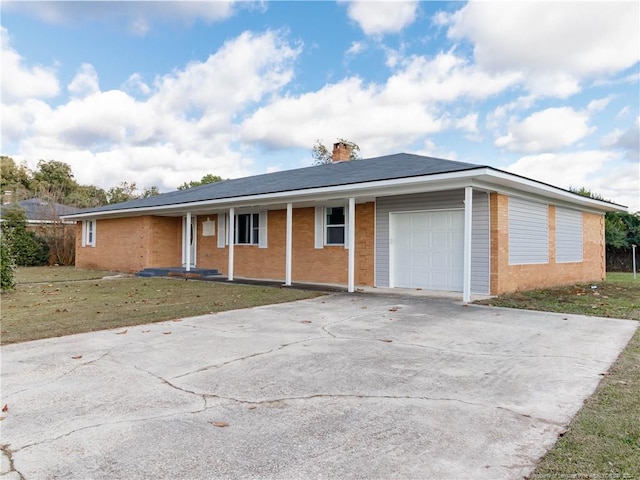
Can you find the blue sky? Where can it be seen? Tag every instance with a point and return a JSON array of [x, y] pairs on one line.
[[159, 93]]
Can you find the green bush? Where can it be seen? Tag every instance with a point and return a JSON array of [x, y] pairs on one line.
[[26, 247], [7, 265]]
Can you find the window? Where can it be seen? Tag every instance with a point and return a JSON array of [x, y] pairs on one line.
[[89, 233], [247, 228], [334, 222]]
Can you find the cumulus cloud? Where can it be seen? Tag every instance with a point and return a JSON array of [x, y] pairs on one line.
[[181, 128], [379, 18], [546, 130], [85, 82], [21, 82], [381, 117], [557, 44]]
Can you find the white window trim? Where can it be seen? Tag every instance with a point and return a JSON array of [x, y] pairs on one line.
[[261, 227], [89, 227], [321, 227]]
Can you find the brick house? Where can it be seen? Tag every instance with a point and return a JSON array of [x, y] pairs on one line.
[[401, 220]]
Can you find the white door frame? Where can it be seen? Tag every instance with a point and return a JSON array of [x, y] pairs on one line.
[[192, 220]]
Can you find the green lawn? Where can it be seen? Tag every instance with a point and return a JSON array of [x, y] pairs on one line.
[[56, 301]]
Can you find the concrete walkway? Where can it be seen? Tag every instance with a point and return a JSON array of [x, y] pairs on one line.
[[341, 386]]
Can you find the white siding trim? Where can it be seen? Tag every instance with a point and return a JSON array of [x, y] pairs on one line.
[[319, 227], [528, 232], [221, 230], [569, 242], [262, 227]]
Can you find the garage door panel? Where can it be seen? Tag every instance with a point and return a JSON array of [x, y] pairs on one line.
[[427, 249]]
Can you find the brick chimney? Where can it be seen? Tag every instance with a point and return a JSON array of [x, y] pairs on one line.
[[341, 152]]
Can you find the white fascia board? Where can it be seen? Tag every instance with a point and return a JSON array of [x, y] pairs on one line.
[[504, 182], [483, 177]]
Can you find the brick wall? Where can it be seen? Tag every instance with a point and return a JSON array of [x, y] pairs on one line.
[[509, 278], [327, 265]]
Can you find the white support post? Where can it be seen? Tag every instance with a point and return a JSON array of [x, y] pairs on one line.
[[352, 245], [468, 224], [288, 246], [232, 240], [187, 242]]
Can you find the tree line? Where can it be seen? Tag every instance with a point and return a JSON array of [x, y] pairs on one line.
[[54, 181]]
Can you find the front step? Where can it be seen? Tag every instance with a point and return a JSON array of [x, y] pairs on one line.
[[180, 272]]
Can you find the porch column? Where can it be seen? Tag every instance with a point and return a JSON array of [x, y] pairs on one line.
[[232, 239], [468, 224], [187, 243], [288, 247], [352, 245]]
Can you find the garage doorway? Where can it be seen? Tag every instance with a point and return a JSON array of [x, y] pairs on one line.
[[426, 250]]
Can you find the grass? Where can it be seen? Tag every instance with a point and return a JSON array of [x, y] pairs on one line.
[[55, 301], [603, 440]]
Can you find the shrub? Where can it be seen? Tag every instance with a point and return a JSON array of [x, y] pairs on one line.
[[7, 265]]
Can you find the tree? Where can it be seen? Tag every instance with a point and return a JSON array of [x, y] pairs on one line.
[[52, 175], [208, 178], [322, 155], [14, 178], [150, 192], [122, 193], [86, 196]]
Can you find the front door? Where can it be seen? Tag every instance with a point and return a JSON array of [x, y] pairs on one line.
[[189, 241]]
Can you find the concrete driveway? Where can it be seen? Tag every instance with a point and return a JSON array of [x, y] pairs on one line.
[[342, 386]]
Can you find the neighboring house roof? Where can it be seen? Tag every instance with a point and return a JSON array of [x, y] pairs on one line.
[[373, 174], [43, 211]]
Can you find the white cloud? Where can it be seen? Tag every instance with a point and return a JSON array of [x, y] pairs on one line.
[[137, 17], [380, 118], [596, 170], [356, 48], [21, 82], [379, 18], [546, 130], [626, 140], [557, 44], [181, 129], [85, 82]]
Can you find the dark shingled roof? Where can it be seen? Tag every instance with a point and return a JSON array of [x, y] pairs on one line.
[[38, 210], [389, 167]]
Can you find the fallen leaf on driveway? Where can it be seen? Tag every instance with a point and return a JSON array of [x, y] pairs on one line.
[[146, 331], [386, 341], [219, 424], [306, 321], [393, 309], [77, 357], [5, 408], [122, 332], [166, 333], [252, 407]]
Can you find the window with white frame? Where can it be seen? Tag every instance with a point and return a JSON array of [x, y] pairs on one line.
[[89, 233], [334, 226], [247, 228], [331, 226]]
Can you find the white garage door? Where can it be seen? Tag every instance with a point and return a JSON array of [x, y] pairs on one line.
[[427, 250]]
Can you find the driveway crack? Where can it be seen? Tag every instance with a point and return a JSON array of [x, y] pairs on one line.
[[8, 454]]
